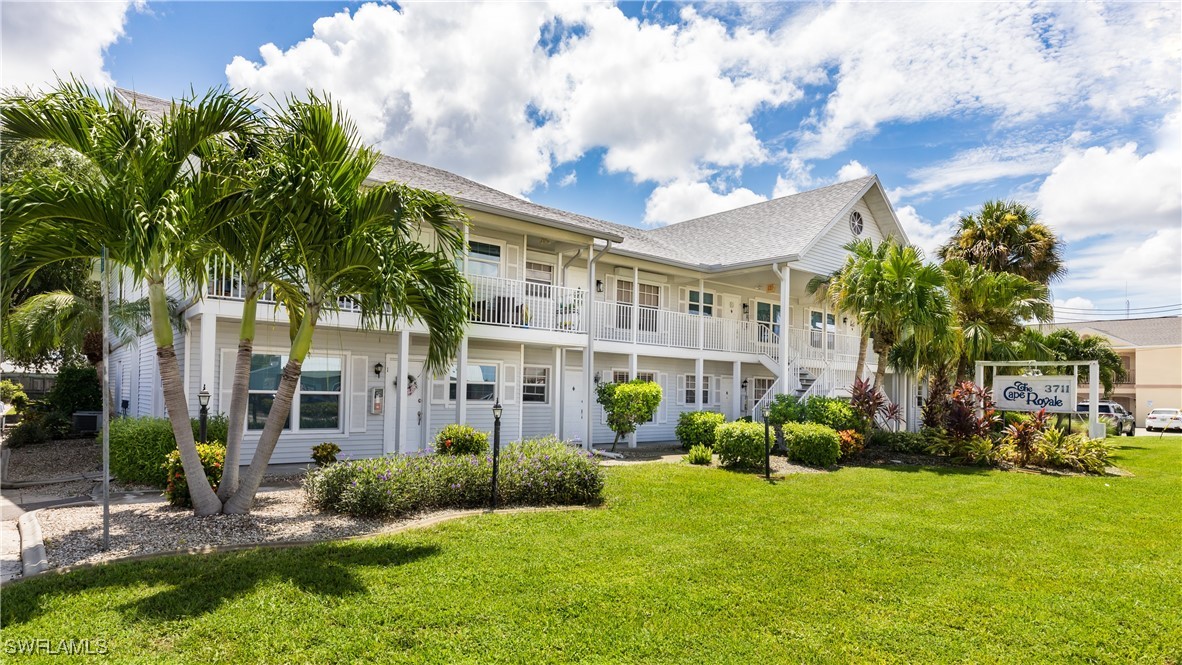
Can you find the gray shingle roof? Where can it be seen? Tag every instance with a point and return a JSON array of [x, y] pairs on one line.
[[1158, 331], [762, 232]]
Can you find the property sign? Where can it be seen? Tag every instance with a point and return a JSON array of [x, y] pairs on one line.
[[1056, 394]]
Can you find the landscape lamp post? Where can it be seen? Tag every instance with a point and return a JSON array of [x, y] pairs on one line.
[[203, 400], [767, 445], [497, 411]]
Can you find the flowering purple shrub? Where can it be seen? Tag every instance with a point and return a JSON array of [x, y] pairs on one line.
[[536, 472]]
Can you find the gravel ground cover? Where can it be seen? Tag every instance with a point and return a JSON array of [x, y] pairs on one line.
[[54, 459], [73, 535]]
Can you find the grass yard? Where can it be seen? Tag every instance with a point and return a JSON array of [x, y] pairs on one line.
[[692, 565]]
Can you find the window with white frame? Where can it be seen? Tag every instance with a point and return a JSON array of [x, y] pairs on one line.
[[484, 258], [701, 302], [816, 330], [691, 392], [317, 402], [539, 279], [759, 387], [535, 385], [481, 383], [620, 376]]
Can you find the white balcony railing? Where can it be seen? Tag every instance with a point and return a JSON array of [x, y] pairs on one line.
[[225, 283], [512, 302]]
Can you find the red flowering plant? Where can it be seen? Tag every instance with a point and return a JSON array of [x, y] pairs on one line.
[[213, 456]]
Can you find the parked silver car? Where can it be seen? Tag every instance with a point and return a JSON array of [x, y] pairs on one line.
[[1121, 419], [1163, 419]]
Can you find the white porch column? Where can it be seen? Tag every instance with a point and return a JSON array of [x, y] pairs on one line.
[[555, 387], [589, 355], [520, 394], [635, 311], [1096, 429], [632, 370], [208, 341], [400, 387], [462, 383], [737, 390], [699, 365], [787, 383]]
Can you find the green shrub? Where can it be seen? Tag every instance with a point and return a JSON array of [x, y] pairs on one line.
[[76, 388], [812, 444], [975, 449], [213, 456], [217, 428], [325, 453], [785, 409], [740, 444], [898, 442], [699, 454], [628, 405], [13, 394], [461, 440], [1078, 452], [696, 428], [139, 448], [542, 471], [27, 432], [833, 413], [852, 443]]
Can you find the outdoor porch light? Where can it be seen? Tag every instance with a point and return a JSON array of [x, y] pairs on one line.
[[743, 385], [599, 286], [598, 378], [498, 410], [203, 397], [377, 369]]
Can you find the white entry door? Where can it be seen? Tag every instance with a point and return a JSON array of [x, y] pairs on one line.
[[416, 411], [574, 406]]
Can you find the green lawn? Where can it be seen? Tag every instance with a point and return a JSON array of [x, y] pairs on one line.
[[692, 565]]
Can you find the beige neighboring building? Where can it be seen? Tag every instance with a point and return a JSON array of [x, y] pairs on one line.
[[1151, 350]]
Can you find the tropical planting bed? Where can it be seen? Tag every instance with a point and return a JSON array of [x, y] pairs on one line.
[[891, 563]]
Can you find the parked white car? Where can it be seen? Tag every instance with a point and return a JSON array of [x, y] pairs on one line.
[[1167, 419]]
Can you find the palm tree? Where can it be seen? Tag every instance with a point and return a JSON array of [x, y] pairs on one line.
[[846, 295], [351, 242], [60, 320], [898, 296], [990, 310], [1006, 236], [146, 200], [1066, 344]]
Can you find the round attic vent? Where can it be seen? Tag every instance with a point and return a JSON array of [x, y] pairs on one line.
[[856, 222]]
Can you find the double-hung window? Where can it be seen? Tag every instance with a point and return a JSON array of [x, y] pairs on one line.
[[539, 279], [535, 385], [484, 259], [481, 385], [317, 402], [691, 391], [759, 387], [816, 330], [701, 302]]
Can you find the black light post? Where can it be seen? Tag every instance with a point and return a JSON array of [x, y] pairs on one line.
[[767, 445], [497, 410], [203, 400]]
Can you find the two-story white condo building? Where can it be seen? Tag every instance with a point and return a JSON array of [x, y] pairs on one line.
[[714, 309]]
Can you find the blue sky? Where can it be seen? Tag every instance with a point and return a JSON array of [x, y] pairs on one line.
[[653, 113]]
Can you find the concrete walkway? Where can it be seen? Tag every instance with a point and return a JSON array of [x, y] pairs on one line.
[[10, 540]]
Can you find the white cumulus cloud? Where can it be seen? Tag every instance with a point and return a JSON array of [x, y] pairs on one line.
[[924, 234], [680, 200], [852, 171], [46, 40]]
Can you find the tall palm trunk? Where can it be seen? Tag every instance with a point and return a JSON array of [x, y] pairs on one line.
[[100, 366], [239, 396], [205, 502], [248, 484], [880, 370], [863, 344]]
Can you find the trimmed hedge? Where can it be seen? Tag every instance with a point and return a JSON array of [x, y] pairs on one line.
[[812, 444], [696, 428], [785, 409], [535, 472], [899, 442], [461, 440], [740, 444], [833, 413], [139, 448]]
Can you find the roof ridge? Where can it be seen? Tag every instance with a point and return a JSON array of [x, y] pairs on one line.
[[762, 203]]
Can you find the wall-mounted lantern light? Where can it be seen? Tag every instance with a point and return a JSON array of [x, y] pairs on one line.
[[599, 286], [377, 369]]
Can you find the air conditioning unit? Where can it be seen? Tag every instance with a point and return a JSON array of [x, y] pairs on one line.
[[87, 422]]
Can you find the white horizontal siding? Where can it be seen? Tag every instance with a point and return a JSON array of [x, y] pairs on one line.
[[828, 254]]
